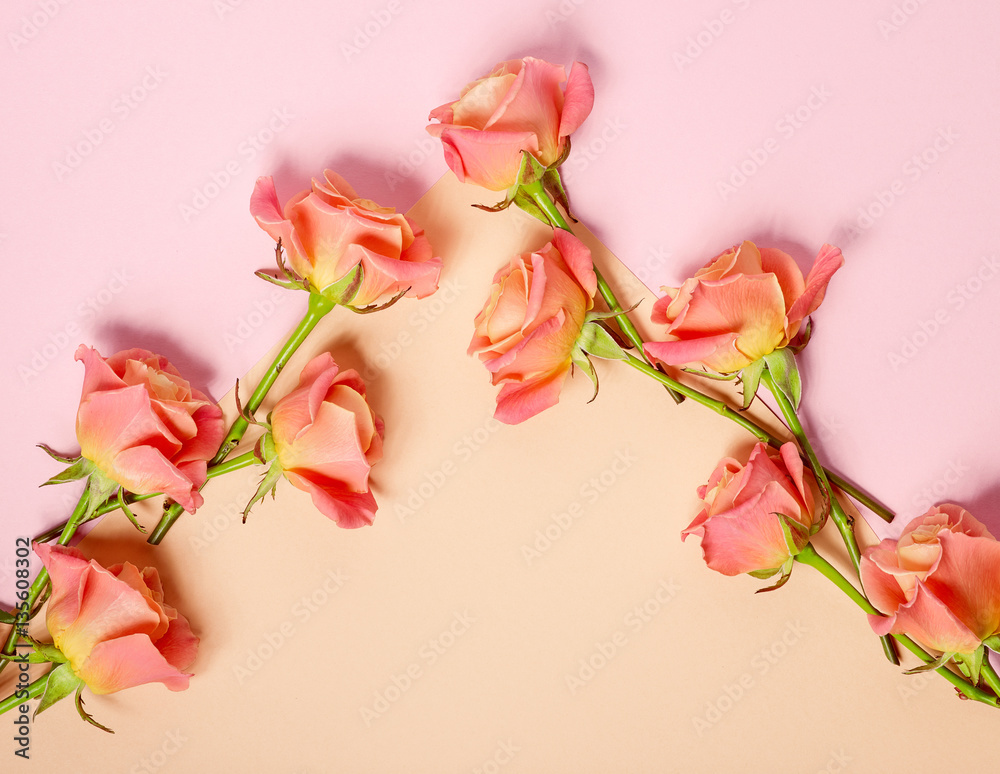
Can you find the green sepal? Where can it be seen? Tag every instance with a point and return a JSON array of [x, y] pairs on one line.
[[531, 170], [593, 316], [764, 574], [527, 172], [971, 664], [61, 682], [44, 652], [286, 284], [128, 512], [750, 378], [377, 307], [86, 715], [993, 643], [56, 455], [553, 184], [80, 468], [782, 367], [264, 449], [937, 663], [789, 528], [596, 340], [239, 406], [562, 156], [8, 619], [802, 338], [100, 488], [581, 361], [498, 207], [292, 281], [269, 482], [786, 573], [524, 202], [345, 289], [710, 374]]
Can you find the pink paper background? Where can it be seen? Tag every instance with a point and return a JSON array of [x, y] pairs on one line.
[[115, 247]]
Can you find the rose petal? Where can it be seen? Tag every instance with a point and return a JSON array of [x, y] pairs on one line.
[[578, 101], [518, 402], [128, 661]]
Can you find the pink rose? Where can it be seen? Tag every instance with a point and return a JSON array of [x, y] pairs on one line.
[[112, 624], [144, 426], [517, 107], [742, 306], [940, 582], [526, 332], [741, 526], [327, 439], [328, 231]]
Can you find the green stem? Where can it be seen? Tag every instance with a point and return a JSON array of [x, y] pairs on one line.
[[541, 198], [840, 518], [244, 460], [318, 308], [718, 406], [37, 688], [811, 557], [548, 207], [845, 525], [171, 514], [989, 674], [38, 585], [862, 497]]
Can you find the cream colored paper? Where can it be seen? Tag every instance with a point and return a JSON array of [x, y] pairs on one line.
[[523, 602]]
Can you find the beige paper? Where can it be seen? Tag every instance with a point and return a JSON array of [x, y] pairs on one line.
[[523, 602]]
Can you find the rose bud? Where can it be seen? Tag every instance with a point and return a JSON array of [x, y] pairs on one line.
[[939, 582], [328, 231], [526, 332], [757, 517], [518, 107], [745, 304]]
